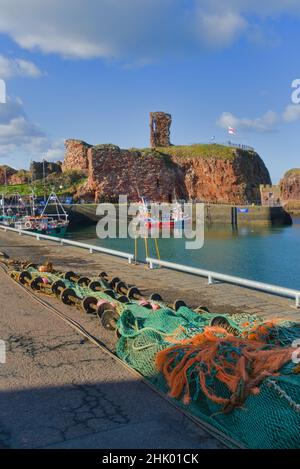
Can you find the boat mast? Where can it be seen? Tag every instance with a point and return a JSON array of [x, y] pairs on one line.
[[44, 182], [58, 205], [3, 204], [33, 203]]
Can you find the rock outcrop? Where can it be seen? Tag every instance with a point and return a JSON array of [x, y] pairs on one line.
[[290, 191], [6, 172], [76, 155], [211, 173], [290, 186], [113, 171], [234, 178], [13, 176], [20, 177]]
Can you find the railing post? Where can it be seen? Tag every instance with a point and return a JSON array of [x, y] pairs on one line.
[[150, 265], [129, 260], [297, 301], [91, 251], [210, 280]]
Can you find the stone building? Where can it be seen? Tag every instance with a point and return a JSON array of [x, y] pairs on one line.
[[43, 169], [270, 195]]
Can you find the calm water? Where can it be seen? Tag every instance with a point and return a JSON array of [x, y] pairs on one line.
[[266, 254]]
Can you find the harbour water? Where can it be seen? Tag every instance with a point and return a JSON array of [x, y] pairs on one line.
[[266, 254]]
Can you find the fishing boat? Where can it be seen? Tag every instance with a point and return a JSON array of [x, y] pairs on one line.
[[12, 207], [53, 223], [175, 219]]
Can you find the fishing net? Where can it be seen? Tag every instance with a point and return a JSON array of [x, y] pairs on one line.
[[236, 375], [232, 371]]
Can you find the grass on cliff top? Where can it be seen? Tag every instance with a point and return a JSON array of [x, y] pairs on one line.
[[292, 172], [70, 181], [200, 150], [197, 150]]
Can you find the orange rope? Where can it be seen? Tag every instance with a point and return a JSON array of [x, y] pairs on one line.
[[241, 370]]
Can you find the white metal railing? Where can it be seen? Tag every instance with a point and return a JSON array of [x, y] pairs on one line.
[[211, 276], [91, 247]]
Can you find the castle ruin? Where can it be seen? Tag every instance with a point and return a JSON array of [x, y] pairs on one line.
[[160, 123]]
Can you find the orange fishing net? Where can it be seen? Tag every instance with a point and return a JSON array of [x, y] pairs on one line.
[[217, 356]]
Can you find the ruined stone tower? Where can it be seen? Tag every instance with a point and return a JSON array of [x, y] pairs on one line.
[[160, 124]]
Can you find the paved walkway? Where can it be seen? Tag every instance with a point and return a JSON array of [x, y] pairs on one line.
[[170, 284], [58, 390]]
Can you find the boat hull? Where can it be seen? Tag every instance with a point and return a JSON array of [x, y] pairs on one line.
[[58, 231], [165, 224]]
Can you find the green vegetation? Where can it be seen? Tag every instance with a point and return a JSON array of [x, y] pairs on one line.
[[154, 153], [106, 146], [63, 184], [196, 150], [292, 172], [146, 152], [200, 151], [24, 174]]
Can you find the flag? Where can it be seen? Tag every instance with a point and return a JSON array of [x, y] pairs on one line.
[[231, 131]]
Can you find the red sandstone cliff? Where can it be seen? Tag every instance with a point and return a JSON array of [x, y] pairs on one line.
[[113, 171], [204, 172], [6, 172], [234, 179], [290, 189], [76, 155]]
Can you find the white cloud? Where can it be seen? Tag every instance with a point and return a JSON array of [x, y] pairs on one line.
[[266, 123], [133, 30], [291, 113], [21, 139], [10, 67], [56, 151], [219, 30], [98, 28]]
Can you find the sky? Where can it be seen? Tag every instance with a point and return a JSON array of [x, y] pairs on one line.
[[94, 69]]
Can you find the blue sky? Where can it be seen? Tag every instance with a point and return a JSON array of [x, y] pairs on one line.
[[94, 70]]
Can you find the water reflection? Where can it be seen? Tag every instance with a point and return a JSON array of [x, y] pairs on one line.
[[267, 254]]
